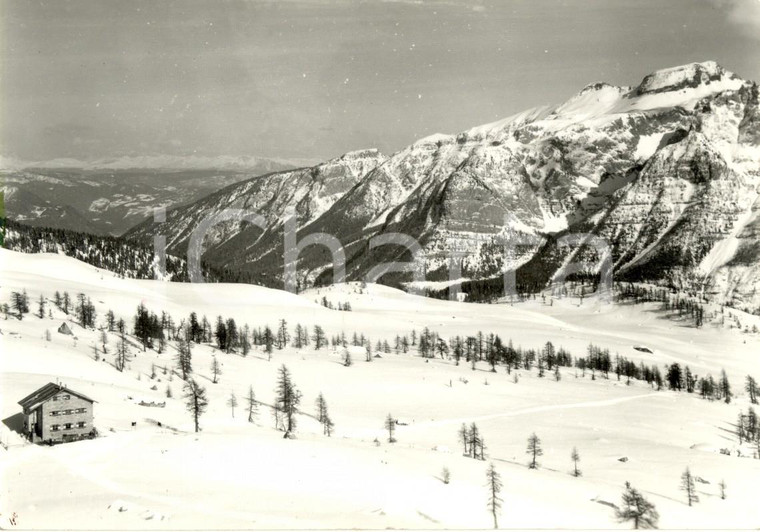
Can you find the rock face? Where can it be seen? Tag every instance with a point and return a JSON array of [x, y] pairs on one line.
[[688, 76], [234, 243], [667, 173]]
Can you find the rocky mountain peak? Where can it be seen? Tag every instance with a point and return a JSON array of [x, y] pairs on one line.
[[369, 153], [691, 75], [597, 86]]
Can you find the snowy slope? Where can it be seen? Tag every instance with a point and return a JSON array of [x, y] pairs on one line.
[[236, 474]]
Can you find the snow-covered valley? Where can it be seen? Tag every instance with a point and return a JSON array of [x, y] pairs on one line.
[[241, 474]]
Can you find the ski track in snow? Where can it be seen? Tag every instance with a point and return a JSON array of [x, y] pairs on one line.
[[532, 410]]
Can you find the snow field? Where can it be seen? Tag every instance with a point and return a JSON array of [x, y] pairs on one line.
[[236, 474]]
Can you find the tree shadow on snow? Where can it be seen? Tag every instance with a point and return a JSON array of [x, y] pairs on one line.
[[731, 432], [682, 320]]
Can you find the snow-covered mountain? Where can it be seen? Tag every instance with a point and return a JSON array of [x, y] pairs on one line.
[[667, 172], [310, 191]]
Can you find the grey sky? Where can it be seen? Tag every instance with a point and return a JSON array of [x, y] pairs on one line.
[[314, 79]]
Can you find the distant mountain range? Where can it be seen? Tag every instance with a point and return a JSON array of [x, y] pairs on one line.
[[666, 172], [159, 162], [110, 196]]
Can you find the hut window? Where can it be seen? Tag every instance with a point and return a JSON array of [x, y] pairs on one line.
[[66, 397], [54, 413], [81, 424], [55, 428], [67, 425], [56, 397]]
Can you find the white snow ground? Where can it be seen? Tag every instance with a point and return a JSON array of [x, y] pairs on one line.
[[235, 474]]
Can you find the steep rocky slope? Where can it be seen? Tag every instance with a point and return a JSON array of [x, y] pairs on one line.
[[309, 191], [667, 172]]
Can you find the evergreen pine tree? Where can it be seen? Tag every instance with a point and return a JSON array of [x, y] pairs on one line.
[[494, 488], [740, 428], [253, 405], [288, 398], [688, 486], [196, 401], [220, 333], [283, 337], [347, 357], [122, 353], [751, 388], [534, 450], [205, 335], [575, 457], [476, 443], [464, 437], [321, 408], [216, 370], [66, 303], [245, 340], [752, 426], [196, 333], [268, 340], [319, 338], [637, 509], [689, 380], [232, 402], [233, 336], [725, 387], [17, 302], [41, 307], [24, 302], [297, 335], [390, 426], [323, 416], [184, 354]]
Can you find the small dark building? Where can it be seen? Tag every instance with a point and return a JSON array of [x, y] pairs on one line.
[[56, 413]]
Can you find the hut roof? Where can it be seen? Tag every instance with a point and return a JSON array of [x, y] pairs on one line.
[[45, 393]]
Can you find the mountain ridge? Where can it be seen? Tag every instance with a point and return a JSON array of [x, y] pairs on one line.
[[666, 168]]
